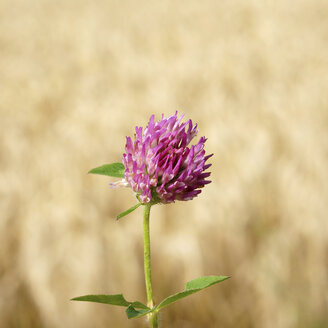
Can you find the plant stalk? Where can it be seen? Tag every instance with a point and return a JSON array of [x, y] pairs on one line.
[[152, 317]]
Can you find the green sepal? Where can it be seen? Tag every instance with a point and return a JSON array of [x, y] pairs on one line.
[[132, 313], [192, 287], [116, 299], [128, 211], [112, 170]]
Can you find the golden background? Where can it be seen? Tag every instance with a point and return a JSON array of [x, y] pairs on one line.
[[76, 77]]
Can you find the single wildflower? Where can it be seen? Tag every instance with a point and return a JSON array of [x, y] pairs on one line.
[[160, 166]]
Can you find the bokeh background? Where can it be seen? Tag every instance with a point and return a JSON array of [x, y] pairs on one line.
[[76, 77]]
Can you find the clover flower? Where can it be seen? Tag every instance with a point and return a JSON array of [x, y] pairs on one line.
[[159, 165]]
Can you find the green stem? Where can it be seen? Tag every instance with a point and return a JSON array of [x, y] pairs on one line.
[[152, 317]]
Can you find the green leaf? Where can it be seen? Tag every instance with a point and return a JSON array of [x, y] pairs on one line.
[[139, 305], [111, 170], [192, 287], [132, 313], [116, 299], [128, 211], [205, 281]]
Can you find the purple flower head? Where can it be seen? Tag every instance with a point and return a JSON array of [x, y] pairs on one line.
[[160, 166]]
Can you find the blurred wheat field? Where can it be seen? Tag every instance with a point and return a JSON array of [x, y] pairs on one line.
[[76, 77]]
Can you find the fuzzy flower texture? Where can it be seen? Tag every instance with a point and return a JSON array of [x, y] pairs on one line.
[[159, 165]]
